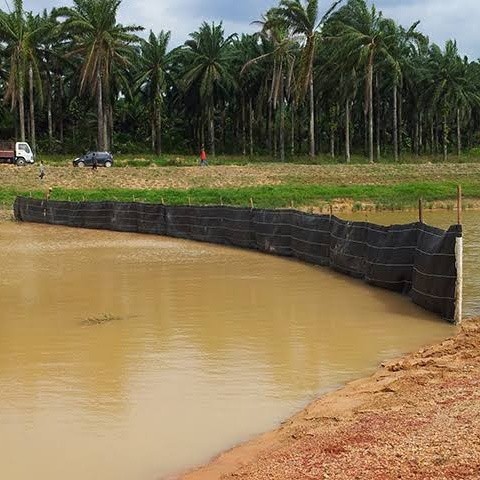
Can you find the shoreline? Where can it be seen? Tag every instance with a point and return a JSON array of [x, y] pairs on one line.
[[414, 418]]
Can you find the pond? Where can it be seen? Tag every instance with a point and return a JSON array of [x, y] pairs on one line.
[[135, 357]]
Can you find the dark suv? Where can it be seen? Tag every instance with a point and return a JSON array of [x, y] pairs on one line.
[[104, 159]]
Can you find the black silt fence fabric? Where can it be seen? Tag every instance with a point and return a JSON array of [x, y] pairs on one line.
[[414, 259]]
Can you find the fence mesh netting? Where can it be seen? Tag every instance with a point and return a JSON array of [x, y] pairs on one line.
[[415, 259]]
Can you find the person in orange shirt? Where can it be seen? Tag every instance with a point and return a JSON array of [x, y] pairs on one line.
[[203, 157]]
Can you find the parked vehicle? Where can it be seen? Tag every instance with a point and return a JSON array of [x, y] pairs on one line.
[[18, 153], [103, 159]]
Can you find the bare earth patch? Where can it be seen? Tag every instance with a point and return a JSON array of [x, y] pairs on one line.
[[233, 176], [416, 418]]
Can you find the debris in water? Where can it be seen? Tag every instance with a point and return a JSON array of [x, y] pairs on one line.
[[100, 320]]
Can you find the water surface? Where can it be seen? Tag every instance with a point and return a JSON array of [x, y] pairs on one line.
[[132, 357]]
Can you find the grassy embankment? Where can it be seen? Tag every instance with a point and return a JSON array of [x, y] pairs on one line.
[[356, 187], [381, 197]]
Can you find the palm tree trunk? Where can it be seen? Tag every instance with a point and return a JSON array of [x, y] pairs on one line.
[[377, 91], [153, 133], [32, 110], [158, 132], [420, 133], [445, 137], [347, 130], [292, 146], [21, 113], [459, 134], [100, 116], [395, 122], [212, 130], [244, 129], [417, 135], [332, 141], [270, 127], [282, 121], [432, 137], [251, 126], [312, 118], [60, 106], [111, 126], [365, 132], [370, 109], [49, 115], [106, 139], [400, 123]]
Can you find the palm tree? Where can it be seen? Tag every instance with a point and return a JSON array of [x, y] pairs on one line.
[[151, 79], [303, 20], [365, 36], [451, 88], [208, 58], [101, 43], [284, 53]]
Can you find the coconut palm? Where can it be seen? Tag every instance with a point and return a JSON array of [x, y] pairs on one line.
[[151, 78], [452, 87], [101, 43], [303, 19], [365, 37], [21, 34], [208, 56], [284, 53]]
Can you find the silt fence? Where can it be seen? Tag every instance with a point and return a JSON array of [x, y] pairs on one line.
[[415, 259]]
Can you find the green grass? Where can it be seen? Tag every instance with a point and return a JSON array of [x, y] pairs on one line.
[[382, 197]]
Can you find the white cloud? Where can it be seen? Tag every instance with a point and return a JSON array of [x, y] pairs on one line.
[[441, 20]]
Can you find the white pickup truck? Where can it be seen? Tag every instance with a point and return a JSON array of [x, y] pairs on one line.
[[18, 153]]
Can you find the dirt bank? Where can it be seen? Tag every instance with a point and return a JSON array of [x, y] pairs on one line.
[[415, 418]]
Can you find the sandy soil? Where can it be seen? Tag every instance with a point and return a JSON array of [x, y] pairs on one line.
[[415, 418]]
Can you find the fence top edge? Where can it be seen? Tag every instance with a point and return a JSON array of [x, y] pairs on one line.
[[453, 229]]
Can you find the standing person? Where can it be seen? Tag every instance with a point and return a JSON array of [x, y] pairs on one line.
[[41, 174], [94, 161], [203, 157]]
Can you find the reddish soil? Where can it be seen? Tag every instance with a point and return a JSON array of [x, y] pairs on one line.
[[415, 418]]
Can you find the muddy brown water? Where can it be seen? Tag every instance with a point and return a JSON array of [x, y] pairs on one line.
[[136, 357]]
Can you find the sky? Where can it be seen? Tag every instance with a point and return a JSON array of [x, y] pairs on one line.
[[440, 19]]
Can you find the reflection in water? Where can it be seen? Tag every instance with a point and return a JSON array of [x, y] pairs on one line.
[[130, 356]]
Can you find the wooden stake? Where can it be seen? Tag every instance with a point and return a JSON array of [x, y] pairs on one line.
[[251, 202], [459, 205], [163, 201], [292, 205], [331, 211], [420, 210], [189, 201]]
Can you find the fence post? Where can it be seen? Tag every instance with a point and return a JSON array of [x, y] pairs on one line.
[[459, 205], [420, 210], [459, 263], [251, 202]]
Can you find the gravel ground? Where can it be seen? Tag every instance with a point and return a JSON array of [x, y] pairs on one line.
[[415, 419]]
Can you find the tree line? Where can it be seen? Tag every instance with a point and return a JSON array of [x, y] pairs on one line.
[[350, 81]]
